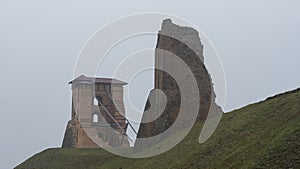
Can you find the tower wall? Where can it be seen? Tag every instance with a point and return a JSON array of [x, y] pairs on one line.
[[185, 44], [82, 131]]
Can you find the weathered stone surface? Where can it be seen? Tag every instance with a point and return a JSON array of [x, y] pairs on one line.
[[69, 138], [184, 42], [97, 114]]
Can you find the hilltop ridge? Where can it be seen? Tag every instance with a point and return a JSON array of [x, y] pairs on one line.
[[261, 135]]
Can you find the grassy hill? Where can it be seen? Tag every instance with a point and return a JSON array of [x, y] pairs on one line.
[[261, 135]]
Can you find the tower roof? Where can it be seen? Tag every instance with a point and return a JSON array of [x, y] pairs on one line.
[[92, 80]]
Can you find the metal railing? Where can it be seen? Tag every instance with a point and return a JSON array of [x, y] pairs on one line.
[[128, 123], [123, 132]]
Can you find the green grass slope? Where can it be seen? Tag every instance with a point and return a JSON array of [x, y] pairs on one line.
[[261, 135]]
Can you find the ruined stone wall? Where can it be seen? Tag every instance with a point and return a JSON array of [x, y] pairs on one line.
[[184, 42], [75, 136]]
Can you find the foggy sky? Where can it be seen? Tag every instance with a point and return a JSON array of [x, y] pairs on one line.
[[257, 42]]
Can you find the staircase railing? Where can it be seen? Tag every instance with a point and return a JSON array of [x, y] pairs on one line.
[[123, 132], [128, 123]]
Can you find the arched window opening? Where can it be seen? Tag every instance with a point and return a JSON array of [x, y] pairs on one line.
[[95, 102], [95, 118]]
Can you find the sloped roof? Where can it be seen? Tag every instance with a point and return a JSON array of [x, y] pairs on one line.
[[96, 80]]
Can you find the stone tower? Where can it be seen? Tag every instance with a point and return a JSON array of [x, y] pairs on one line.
[[185, 43], [98, 114]]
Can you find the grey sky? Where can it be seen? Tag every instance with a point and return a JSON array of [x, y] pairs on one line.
[[257, 42]]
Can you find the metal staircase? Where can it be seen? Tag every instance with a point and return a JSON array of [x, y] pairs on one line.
[[120, 122]]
